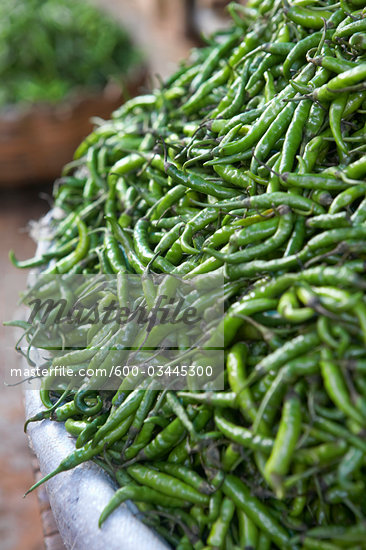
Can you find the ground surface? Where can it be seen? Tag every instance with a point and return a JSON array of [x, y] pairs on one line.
[[20, 526]]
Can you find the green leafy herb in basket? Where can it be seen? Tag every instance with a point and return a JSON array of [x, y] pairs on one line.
[[50, 47]]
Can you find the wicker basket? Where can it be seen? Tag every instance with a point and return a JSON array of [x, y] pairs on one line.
[[36, 143]]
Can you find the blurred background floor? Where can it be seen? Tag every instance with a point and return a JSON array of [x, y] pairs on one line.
[[20, 525], [166, 30]]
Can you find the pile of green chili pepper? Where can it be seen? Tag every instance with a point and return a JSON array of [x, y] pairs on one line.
[[50, 48], [249, 163]]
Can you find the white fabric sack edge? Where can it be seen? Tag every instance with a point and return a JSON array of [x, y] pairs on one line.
[[78, 496]]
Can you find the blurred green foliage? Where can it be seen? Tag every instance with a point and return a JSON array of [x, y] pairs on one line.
[[50, 47]]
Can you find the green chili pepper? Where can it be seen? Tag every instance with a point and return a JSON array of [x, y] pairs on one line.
[[287, 436], [241, 435], [255, 510], [219, 529], [166, 484], [336, 387]]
